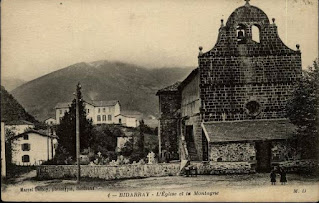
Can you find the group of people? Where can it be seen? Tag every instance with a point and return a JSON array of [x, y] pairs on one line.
[[282, 173]]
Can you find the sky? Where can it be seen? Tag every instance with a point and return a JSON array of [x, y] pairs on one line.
[[42, 36]]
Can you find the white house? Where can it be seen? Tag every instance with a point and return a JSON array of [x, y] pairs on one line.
[[33, 147], [50, 121], [101, 112], [18, 127], [129, 118]]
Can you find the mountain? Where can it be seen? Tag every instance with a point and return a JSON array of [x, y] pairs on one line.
[[11, 110], [11, 83], [134, 86]]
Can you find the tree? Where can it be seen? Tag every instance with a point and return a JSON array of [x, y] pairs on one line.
[[9, 134], [66, 129], [302, 110], [138, 143], [127, 149], [105, 139]]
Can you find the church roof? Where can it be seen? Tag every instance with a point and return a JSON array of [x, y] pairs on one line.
[[232, 131], [171, 88]]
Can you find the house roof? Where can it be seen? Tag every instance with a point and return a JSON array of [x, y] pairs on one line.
[[61, 105], [131, 114], [19, 122], [93, 103], [188, 78], [39, 132], [104, 103], [176, 87], [171, 88], [248, 130]]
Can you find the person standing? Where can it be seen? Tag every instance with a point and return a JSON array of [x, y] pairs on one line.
[[283, 176], [273, 177]]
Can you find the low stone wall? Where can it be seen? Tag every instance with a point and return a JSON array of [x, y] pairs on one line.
[[224, 168], [139, 171], [107, 172], [298, 165]]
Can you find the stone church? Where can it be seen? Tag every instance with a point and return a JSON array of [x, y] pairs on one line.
[[232, 107]]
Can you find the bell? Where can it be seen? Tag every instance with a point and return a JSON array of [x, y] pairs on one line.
[[240, 34]]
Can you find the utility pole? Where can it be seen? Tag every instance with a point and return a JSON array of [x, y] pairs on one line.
[[51, 142], [77, 120], [48, 149], [3, 152]]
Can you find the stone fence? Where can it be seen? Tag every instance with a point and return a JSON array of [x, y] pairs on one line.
[[137, 171], [108, 172], [305, 165], [210, 168]]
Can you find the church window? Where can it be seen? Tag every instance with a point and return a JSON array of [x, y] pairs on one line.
[[255, 33], [253, 108]]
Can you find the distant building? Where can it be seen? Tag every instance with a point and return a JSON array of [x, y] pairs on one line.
[[50, 121], [101, 112], [129, 118], [33, 147], [18, 127]]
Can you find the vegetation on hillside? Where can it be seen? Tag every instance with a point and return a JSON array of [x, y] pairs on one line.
[[11, 110], [134, 86]]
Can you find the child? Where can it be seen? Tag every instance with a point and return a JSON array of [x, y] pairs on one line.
[[273, 177], [283, 178]]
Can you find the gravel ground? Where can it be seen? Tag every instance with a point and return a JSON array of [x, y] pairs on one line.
[[255, 187]]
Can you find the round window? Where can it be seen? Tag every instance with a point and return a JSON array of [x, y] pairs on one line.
[[253, 108]]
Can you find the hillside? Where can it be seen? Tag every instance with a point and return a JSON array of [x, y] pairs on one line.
[[11, 110], [132, 85], [11, 83]]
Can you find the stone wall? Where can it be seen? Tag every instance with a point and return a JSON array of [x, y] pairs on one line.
[[194, 121], [139, 171], [169, 129], [232, 152], [308, 165], [224, 168], [107, 172], [170, 103], [232, 100]]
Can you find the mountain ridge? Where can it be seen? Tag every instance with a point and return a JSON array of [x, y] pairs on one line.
[[134, 86]]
